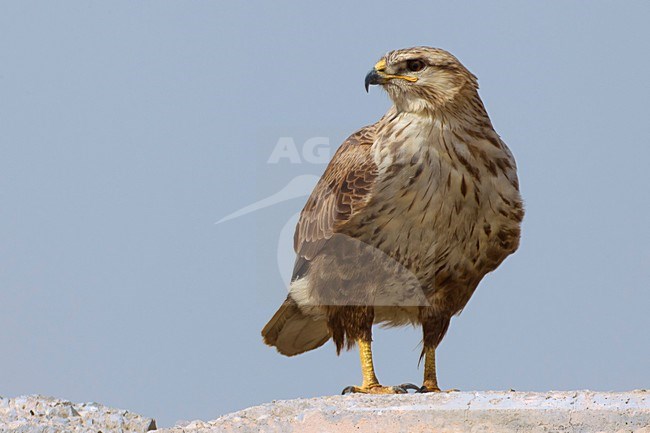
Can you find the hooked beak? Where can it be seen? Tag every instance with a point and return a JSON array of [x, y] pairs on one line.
[[373, 78]]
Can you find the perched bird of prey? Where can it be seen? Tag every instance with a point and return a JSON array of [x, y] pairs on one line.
[[409, 216]]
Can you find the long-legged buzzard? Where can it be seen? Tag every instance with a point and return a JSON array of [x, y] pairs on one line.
[[410, 215]]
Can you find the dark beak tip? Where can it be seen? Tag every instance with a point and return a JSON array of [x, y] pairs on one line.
[[371, 78]]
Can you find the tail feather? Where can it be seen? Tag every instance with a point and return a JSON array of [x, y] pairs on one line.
[[292, 332]]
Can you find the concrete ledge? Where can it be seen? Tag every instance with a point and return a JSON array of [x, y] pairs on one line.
[[40, 414], [503, 412]]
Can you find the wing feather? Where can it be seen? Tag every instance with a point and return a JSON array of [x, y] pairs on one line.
[[343, 191]]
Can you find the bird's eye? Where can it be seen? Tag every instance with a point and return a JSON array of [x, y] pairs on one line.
[[415, 65]]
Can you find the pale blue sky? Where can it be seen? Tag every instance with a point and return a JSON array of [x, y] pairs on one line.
[[127, 128]]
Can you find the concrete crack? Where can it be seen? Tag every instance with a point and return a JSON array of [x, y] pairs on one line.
[[469, 406]]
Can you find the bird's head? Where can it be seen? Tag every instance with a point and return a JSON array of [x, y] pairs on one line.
[[422, 78]]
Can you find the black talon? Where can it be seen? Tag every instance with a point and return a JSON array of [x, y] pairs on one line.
[[422, 390], [407, 386], [347, 389]]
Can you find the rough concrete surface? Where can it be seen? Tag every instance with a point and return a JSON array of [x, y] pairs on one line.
[[503, 412], [491, 411], [38, 414]]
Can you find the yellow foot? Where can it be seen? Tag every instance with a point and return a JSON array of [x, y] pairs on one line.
[[377, 389]]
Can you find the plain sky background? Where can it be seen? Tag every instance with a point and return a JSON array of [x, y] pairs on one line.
[[127, 128]]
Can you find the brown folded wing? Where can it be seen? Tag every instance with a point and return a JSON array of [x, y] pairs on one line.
[[343, 191]]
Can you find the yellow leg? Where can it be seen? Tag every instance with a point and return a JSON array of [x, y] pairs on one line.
[[370, 384], [430, 378], [367, 366]]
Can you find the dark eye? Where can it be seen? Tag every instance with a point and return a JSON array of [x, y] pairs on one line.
[[415, 65]]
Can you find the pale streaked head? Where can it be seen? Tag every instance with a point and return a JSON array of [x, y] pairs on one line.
[[422, 78]]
